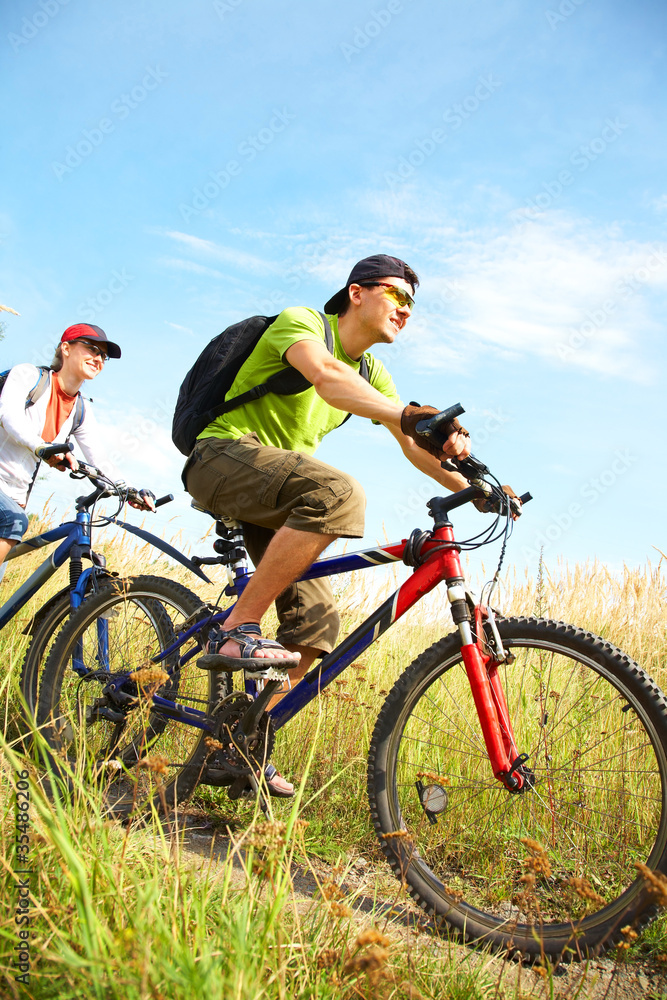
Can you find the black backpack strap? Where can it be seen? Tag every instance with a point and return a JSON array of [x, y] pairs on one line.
[[287, 382]]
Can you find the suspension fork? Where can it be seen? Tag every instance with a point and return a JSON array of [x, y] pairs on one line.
[[482, 671]]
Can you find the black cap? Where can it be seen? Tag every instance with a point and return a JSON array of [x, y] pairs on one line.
[[88, 331], [368, 269]]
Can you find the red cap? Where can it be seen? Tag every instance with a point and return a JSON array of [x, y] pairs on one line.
[[86, 331]]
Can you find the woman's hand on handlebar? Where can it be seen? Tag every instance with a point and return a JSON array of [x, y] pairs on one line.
[[64, 463]]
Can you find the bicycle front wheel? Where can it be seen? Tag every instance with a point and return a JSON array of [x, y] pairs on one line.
[[550, 872], [43, 631], [136, 752]]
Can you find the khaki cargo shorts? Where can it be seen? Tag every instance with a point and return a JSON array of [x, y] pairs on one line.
[[265, 488]]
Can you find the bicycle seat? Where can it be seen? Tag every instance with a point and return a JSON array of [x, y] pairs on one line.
[[228, 522], [204, 510]]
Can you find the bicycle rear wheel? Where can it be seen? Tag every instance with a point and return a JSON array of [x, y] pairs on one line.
[[551, 872], [140, 757]]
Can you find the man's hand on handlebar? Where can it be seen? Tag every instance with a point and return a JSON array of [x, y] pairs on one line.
[[141, 500], [493, 505], [451, 441]]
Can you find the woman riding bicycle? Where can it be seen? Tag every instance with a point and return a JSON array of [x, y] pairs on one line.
[[36, 408]]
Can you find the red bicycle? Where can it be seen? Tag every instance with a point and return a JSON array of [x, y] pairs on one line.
[[517, 774]]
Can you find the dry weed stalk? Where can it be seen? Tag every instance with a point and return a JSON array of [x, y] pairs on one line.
[[370, 963], [158, 763], [584, 890], [538, 864], [149, 677], [656, 883]]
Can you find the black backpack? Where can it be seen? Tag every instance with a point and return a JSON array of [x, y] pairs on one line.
[[201, 398]]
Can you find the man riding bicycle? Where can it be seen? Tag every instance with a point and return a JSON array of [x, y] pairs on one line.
[[255, 464]]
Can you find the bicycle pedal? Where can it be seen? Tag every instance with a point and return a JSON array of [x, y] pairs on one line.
[[267, 674]]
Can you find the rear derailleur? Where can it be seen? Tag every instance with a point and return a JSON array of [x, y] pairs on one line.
[[119, 696]]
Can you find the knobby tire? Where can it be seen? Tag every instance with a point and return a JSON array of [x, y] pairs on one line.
[[550, 873], [148, 761]]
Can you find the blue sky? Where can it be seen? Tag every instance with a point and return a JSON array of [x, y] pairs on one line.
[[170, 168]]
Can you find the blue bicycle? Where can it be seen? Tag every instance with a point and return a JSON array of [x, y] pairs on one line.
[[76, 545]]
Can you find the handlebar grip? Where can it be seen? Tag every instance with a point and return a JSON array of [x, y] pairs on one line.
[[49, 450], [429, 427], [165, 499], [525, 497]]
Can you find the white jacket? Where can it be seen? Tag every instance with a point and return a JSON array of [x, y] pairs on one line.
[[20, 433]]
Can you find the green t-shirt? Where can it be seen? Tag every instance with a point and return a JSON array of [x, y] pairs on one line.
[[298, 422]]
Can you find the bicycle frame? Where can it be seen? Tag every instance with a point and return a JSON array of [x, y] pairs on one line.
[[440, 561], [73, 533]]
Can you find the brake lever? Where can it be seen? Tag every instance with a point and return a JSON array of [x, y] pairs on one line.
[[470, 468]]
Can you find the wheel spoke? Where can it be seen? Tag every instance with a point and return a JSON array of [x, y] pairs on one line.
[[555, 855]]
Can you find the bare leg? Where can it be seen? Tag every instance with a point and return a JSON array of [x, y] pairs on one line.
[[5, 545], [288, 555]]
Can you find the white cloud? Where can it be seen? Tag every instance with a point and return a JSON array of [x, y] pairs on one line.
[[229, 255], [183, 329], [556, 288]]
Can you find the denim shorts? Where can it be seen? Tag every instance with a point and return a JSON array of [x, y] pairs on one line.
[[13, 519]]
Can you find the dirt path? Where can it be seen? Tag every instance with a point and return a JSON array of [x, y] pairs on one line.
[[374, 897]]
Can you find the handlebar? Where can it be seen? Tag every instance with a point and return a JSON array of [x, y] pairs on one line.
[[49, 450], [470, 468], [431, 427], [104, 487]]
